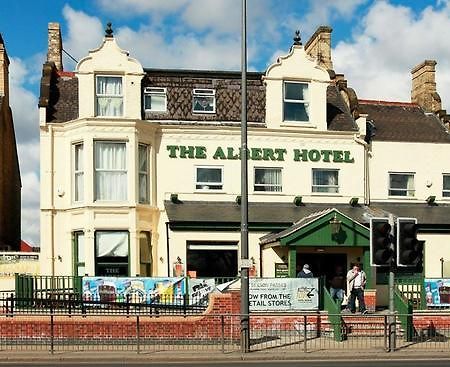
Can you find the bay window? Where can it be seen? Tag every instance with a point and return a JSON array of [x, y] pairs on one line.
[[109, 95], [78, 172], [111, 253], [110, 171], [143, 174]]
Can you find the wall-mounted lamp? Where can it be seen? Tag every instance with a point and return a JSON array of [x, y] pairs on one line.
[[353, 201], [335, 225], [431, 200], [238, 200], [298, 200]]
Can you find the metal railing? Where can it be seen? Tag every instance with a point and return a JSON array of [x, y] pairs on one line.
[[412, 288], [73, 304], [309, 332]]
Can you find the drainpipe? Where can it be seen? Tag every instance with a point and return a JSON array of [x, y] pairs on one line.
[[168, 249], [52, 201], [366, 168]]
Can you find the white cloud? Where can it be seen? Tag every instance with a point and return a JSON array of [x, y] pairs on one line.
[[387, 44], [139, 7], [84, 33]]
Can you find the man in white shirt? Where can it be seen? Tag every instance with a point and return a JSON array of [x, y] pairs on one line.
[[356, 281]]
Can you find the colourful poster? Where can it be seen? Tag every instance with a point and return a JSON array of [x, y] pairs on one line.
[[136, 290], [437, 292], [283, 294]]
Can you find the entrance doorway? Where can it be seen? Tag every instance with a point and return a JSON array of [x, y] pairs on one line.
[[323, 264]]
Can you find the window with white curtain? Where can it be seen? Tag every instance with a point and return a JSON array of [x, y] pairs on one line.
[[111, 253], [79, 261], [78, 172], [325, 180], [446, 185], [296, 102], [110, 171], [109, 96], [143, 174], [267, 179], [401, 184], [208, 178]]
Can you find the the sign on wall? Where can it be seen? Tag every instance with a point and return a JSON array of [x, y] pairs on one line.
[[281, 270], [261, 154], [283, 294]]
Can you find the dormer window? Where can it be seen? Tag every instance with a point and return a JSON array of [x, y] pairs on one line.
[[155, 99], [204, 101], [109, 95], [295, 102]]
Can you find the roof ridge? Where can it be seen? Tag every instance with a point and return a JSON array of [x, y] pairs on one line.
[[389, 103]]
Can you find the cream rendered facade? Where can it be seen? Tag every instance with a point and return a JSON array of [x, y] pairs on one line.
[[62, 216], [181, 216]]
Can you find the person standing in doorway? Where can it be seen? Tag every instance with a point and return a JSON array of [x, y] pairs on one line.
[[356, 281], [337, 285], [305, 272]]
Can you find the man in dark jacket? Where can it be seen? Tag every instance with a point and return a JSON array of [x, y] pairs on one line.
[[305, 272]]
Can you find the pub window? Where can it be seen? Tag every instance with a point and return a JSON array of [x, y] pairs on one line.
[[109, 96], [325, 180], [145, 254], [110, 171], [267, 179], [401, 184], [111, 253], [78, 172], [204, 101], [446, 185], [209, 178], [143, 174], [79, 260], [155, 99], [296, 102]]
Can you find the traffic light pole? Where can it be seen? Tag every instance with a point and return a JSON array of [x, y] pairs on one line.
[[392, 323]]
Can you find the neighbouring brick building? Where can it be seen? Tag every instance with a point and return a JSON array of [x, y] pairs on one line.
[[140, 168], [10, 184]]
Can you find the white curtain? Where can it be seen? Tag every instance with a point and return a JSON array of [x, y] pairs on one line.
[[271, 178], [111, 244], [79, 172], [109, 96], [143, 173], [110, 171], [410, 185]]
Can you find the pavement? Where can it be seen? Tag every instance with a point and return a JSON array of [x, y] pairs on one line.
[[103, 357]]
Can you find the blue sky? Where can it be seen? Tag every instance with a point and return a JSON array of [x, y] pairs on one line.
[[375, 45]]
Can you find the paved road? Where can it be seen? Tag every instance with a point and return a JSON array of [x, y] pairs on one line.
[[365, 363]]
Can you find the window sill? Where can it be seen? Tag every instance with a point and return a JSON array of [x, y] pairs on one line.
[[335, 194], [304, 124]]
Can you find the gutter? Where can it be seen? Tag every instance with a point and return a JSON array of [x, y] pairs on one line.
[[366, 168]]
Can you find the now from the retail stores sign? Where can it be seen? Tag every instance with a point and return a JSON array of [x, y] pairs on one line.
[[283, 294]]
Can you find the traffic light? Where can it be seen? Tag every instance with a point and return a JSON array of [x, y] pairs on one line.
[[381, 246], [409, 248]]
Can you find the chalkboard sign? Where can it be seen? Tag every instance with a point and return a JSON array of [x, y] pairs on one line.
[[281, 270]]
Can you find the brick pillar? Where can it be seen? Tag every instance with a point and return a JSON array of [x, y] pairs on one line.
[[319, 47], [423, 90], [54, 53]]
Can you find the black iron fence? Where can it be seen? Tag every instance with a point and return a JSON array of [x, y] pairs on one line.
[[74, 304]]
